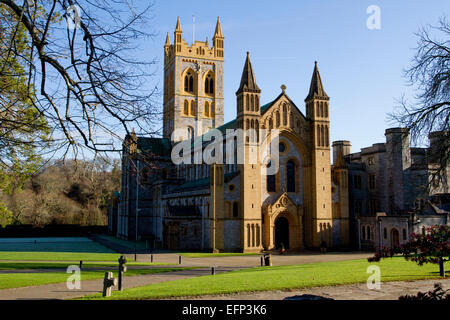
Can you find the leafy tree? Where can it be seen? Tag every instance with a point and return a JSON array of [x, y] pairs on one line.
[[23, 130], [432, 247], [5, 216]]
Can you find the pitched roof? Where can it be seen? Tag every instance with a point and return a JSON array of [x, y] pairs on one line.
[[316, 88], [155, 146], [248, 81], [201, 183]]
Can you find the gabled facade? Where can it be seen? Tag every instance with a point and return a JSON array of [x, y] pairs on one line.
[[233, 206]]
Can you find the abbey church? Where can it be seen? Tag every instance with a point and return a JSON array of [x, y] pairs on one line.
[[224, 206]]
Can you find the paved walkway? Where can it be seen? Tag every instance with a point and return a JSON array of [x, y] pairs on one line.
[[388, 291], [89, 287], [251, 260]]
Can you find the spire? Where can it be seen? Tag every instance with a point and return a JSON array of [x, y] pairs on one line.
[[178, 27], [218, 32], [167, 40], [207, 42], [248, 77], [316, 87]]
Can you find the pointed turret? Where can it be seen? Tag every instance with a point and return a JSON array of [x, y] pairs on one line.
[[167, 44], [207, 42], [178, 36], [248, 82], [218, 40], [218, 31], [316, 88], [178, 26]]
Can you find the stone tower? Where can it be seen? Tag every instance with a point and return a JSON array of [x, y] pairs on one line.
[[193, 85], [248, 115], [319, 220], [341, 222]]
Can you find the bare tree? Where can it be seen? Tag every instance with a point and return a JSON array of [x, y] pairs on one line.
[[83, 69], [428, 116]]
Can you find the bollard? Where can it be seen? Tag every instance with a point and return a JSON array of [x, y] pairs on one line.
[[213, 270], [108, 283], [151, 258], [122, 269], [179, 260], [268, 259], [81, 264]]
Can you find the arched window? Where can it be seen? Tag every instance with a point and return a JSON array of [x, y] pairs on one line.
[[322, 136], [277, 118], [235, 209], [368, 232], [190, 132], [206, 111], [256, 103], [213, 111], [248, 103], [318, 110], [326, 109], [363, 233], [209, 84], [270, 181], [404, 234], [290, 176], [248, 235], [186, 108], [327, 143], [285, 115], [186, 83], [321, 109], [252, 103], [189, 82], [318, 135], [192, 111]]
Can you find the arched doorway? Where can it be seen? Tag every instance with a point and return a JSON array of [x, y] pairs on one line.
[[394, 238], [281, 233]]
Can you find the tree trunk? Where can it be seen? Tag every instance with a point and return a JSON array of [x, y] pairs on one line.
[[441, 267]]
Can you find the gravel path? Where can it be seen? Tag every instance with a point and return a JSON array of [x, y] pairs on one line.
[[88, 287], [388, 291]]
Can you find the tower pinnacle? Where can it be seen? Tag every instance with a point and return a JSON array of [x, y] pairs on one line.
[[316, 87]]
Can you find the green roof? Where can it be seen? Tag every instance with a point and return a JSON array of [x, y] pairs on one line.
[[201, 183], [155, 146]]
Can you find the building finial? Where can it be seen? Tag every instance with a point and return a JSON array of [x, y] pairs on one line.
[[218, 32], [283, 88], [178, 26], [167, 40]]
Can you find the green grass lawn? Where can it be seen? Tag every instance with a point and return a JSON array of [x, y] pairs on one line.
[[58, 256], [17, 280], [63, 265], [281, 278]]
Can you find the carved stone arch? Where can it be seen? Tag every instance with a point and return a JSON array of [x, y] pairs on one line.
[[190, 81]]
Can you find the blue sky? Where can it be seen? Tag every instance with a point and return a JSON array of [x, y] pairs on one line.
[[361, 69]]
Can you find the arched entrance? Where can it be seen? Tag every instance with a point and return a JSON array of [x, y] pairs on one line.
[[281, 233], [394, 238]]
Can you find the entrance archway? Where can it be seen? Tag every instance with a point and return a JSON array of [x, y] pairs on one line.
[[394, 238], [281, 233]]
